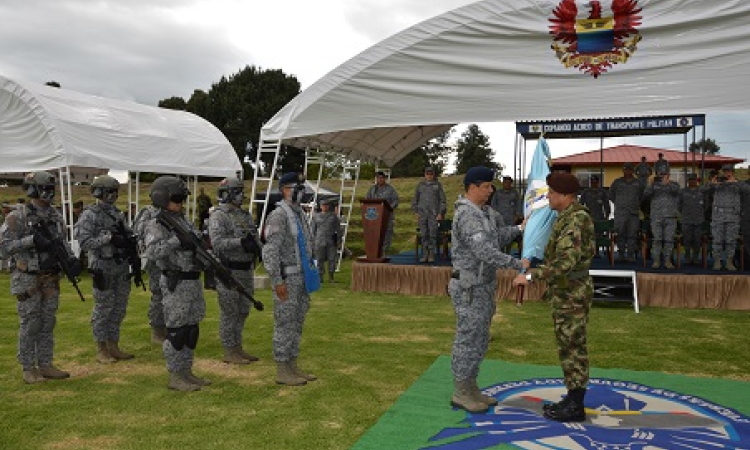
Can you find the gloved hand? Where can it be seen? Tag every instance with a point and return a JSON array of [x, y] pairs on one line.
[[119, 241], [186, 243], [41, 242]]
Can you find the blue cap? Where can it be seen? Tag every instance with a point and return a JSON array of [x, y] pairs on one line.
[[479, 174], [289, 178]]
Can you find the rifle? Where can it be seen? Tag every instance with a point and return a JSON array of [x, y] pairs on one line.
[[61, 256], [131, 251], [201, 250]]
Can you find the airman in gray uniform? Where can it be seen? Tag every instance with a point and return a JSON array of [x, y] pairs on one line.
[[97, 232], [184, 306], [508, 202], [476, 258], [287, 256], [725, 218], [692, 206], [626, 193], [595, 198], [235, 241], [429, 205], [35, 277], [745, 221], [385, 191], [643, 171], [156, 305], [661, 165], [326, 230], [665, 207]]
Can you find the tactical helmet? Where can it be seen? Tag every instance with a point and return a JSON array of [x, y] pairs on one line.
[[105, 187], [231, 190], [39, 185], [168, 188]]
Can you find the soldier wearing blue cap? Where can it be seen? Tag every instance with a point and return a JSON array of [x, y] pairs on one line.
[[476, 258]]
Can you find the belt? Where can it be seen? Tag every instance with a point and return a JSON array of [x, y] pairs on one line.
[[238, 265], [181, 275]]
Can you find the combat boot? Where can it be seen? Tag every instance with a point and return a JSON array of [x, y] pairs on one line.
[[570, 409], [193, 379], [463, 398], [179, 382], [32, 376], [247, 355], [330, 278], [300, 373], [717, 264], [632, 258], [656, 264], [114, 350], [668, 264], [233, 356], [103, 355], [730, 266], [158, 335], [486, 399], [53, 372], [285, 375], [321, 275], [424, 256], [431, 256]]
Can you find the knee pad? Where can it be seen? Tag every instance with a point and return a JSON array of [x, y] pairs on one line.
[[178, 337], [192, 336]]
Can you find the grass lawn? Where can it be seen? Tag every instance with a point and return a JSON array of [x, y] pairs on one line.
[[366, 349]]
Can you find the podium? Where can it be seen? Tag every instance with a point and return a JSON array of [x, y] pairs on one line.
[[376, 213]]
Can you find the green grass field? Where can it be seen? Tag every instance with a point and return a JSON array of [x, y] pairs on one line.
[[366, 349]]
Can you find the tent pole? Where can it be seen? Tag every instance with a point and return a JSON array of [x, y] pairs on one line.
[[130, 200], [137, 193], [685, 148]]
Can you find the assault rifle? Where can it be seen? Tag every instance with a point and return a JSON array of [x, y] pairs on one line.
[[69, 264], [131, 252], [201, 250]]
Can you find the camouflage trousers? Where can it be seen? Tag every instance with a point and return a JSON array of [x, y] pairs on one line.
[[233, 309], [289, 319], [389, 234], [177, 360], [327, 253], [663, 231], [570, 315], [626, 227], [37, 315], [691, 236], [725, 235], [110, 305], [428, 229], [156, 305], [474, 310], [183, 306]]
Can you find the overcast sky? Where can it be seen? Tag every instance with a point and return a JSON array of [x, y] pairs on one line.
[[148, 50]]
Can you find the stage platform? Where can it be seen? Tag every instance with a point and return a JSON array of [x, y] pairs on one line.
[[686, 287]]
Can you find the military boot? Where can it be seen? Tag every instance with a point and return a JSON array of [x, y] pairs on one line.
[[103, 355], [486, 399], [632, 257], [178, 381], [285, 375], [158, 335], [297, 371], [730, 266], [114, 350], [53, 372], [232, 355], [424, 256], [463, 398], [247, 355], [656, 264], [717, 264], [193, 379], [32, 376], [321, 275], [570, 409], [330, 278], [430, 256], [668, 264]]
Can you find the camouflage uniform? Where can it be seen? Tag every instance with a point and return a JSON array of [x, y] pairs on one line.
[[665, 205], [692, 219], [745, 222], [228, 224], [476, 244], [508, 203], [387, 193], [429, 202], [109, 267], [597, 201], [184, 306], [725, 217], [36, 286], [567, 259], [626, 196], [643, 171], [325, 231], [156, 305]]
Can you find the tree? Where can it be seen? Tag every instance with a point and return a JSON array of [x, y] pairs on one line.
[[709, 146], [473, 149], [434, 152], [177, 103]]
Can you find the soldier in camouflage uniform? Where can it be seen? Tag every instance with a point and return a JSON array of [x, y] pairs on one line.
[[156, 305], [184, 306], [385, 191], [665, 206], [429, 205], [508, 202], [235, 241], [725, 218], [745, 221], [595, 198], [477, 241], [325, 230], [692, 216], [35, 278], [626, 193], [287, 257], [97, 232], [567, 259], [643, 171]]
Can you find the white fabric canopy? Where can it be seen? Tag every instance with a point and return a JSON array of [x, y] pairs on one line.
[[494, 61], [45, 128]]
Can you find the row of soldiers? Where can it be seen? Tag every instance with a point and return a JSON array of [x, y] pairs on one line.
[[718, 202], [33, 239]]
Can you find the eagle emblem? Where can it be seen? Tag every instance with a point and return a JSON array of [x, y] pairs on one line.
[[594, 43]]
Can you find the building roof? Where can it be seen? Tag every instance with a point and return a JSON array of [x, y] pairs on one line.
[[621, 154]]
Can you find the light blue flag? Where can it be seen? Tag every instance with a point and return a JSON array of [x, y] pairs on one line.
[[536, 206]]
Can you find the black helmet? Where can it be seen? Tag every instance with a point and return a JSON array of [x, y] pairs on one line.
[[168, 188], [105, 187], [231, 190], [39, 185]]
